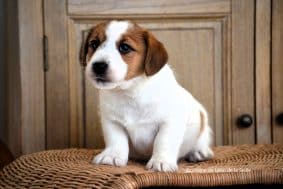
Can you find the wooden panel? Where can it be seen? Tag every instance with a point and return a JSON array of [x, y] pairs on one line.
[[32, 76], [262, 71], [242, 68], [277, 68], [77, 96], [93, 129], [14, 141], [26, 123], [3, 75], [227, 81], [57, 77], [125, 7]]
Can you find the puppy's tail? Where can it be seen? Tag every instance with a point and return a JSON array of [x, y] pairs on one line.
[[205, 130], [203, 120]]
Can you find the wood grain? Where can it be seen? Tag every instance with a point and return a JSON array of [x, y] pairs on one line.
[[93, 129], [57, 77], [3, 72], [242, 68], [14, 141], [262, 71], [125, 7], [26, 124], [227, 80], [32, 76], [277, 68], [76, 76]]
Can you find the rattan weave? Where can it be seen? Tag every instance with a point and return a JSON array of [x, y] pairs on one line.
[[71, 168]]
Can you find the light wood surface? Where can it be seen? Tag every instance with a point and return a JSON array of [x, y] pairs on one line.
[[57, 77], [77, 96], [242, 68], [26, 121], [159, 7], [32, 76], [277, 68], [262, 71]]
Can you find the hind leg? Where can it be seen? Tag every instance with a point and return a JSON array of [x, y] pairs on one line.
[[199, 155], [202, 150]]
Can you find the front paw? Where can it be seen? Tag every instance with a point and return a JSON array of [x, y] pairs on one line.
[[110, 157], [159, 164]]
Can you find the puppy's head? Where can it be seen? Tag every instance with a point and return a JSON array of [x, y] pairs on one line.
[[119, 51]]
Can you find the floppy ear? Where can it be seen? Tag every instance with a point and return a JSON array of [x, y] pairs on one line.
[[84, 49], [156, 55]]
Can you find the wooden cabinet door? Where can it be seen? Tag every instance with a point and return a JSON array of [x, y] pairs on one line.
[[210, 46], [277, 71]]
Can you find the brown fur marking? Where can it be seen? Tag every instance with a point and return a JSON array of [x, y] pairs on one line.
[[202, 123], [156, 55], [149, 55], [95, 33], [134, 59]]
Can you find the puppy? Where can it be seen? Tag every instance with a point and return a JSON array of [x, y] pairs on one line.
[[145, 113]]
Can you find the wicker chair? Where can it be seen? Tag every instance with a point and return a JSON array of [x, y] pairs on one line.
[[71, 168]]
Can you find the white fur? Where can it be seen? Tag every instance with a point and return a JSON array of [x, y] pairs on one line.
[[147, 117]]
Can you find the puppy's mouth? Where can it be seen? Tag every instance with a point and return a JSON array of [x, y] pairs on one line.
[[99, 79], [103, 82]]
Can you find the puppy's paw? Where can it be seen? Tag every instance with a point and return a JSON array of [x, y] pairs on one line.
[[158, 164], [110, 157], [199, 155]]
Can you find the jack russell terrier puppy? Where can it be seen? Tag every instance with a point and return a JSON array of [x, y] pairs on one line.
[[145, 113]]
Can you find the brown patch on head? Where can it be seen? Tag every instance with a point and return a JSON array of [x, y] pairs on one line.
[[134, 37], [96, 36], [148, 55]]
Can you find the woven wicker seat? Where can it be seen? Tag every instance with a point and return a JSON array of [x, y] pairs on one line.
[[71, 168]]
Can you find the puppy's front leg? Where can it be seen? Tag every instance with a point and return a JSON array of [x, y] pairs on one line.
[[117, 147], [166, 147]]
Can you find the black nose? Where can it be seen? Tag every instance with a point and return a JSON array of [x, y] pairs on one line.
[[99, 68]]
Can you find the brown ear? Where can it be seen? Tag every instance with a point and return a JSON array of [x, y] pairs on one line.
[[156, 55], [84, 49]]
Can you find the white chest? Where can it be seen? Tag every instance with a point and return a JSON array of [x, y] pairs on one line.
[[140, 121], [142, 139], [130, 112]]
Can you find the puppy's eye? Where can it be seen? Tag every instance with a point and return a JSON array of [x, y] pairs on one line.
[[94, 44], [124, 48]]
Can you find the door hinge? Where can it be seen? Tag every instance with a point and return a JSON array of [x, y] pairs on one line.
[[45, 54]]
